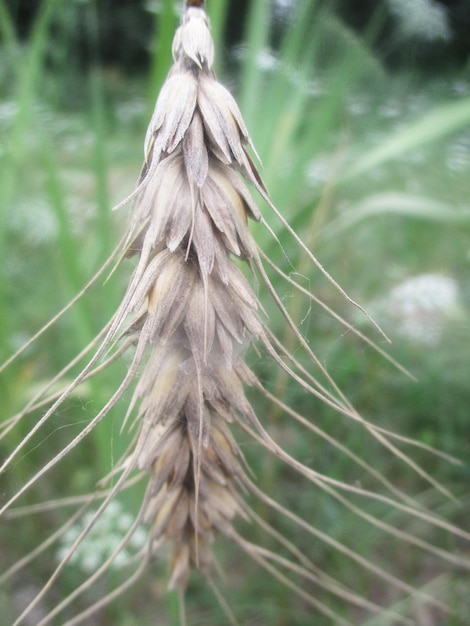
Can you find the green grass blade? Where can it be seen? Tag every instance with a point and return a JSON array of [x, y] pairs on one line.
[[161, 55], [430, 127], [217, 11], [255, 41], [395, 203]]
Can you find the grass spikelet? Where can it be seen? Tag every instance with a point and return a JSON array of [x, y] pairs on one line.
[[189, 317]]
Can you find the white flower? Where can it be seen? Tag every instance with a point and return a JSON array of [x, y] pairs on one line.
[[424, 19], [102, 540], [421, 306]]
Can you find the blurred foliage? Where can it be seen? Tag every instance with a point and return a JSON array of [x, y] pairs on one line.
[[122, 34], [371, 168]]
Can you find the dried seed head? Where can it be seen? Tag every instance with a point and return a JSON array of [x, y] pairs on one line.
[[193, 41], [190, 312], [195, 307]]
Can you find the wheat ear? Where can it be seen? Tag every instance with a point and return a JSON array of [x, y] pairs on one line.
[[188, 316]]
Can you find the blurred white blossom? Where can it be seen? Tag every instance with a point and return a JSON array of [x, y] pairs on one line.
[[424, 19], [422, 306], [102, 540]]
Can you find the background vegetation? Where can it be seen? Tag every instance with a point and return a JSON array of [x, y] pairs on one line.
[[369, 164]]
